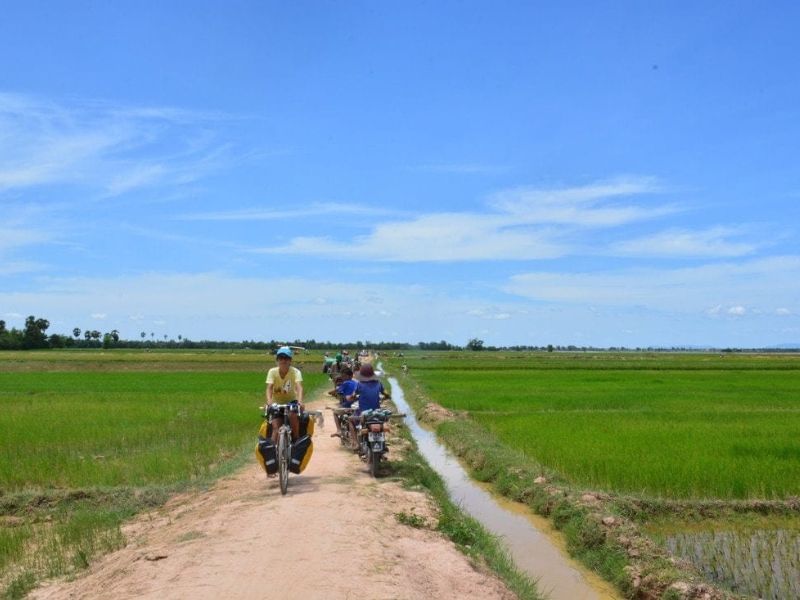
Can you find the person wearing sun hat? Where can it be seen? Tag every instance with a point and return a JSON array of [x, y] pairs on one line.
[[369, 389], [369, 392], [285, 386]]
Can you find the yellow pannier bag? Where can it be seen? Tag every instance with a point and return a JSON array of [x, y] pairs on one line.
[[302, 450], [265, 450], [306, 425]]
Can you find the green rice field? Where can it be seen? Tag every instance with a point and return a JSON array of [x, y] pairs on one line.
[[87, 438], [686, 426]]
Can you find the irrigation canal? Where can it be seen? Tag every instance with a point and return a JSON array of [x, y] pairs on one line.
[[533, 546]]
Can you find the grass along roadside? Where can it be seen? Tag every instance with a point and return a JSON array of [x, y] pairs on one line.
[[469, 536], [601, 530], [54, 533]]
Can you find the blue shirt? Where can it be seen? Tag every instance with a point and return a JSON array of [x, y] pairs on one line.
[[369, 395], [347, 388]]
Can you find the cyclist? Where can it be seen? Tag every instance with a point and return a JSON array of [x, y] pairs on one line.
[[285, 386]]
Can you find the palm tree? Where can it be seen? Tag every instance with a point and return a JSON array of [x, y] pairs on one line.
[[76, 332]]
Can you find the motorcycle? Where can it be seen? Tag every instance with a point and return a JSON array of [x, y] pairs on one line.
[[371, 431]]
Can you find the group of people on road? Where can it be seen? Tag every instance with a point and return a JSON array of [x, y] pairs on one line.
[[362, 387], [356, 385]]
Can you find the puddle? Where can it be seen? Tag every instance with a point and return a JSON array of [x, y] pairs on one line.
[[530, 540]]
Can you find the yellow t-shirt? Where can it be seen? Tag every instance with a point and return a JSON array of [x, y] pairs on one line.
[[283, 388]]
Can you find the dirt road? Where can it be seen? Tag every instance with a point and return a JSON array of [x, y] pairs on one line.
[[334, 535]]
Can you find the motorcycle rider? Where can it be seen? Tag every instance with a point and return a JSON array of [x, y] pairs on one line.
[[346, 392], [285, 386], [370, 392]]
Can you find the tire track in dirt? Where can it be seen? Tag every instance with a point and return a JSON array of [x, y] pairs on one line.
[[334, 535]]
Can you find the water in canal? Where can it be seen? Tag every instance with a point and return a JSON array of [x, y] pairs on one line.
[[534, 546]]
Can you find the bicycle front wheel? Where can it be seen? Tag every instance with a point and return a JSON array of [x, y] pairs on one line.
[[284, 456]]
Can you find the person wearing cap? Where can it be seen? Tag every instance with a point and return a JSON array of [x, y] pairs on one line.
[[285, 386]]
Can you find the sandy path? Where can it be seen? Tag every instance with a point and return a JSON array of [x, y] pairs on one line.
[[333, 536]]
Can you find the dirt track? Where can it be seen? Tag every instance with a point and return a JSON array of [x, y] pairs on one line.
[[333, 536]]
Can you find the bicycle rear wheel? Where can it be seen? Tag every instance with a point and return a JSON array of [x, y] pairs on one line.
[[284, 456]]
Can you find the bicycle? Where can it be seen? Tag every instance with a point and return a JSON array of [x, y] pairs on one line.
[[283, 454]]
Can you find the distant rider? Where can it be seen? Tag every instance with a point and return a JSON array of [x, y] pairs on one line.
[[346, 392]]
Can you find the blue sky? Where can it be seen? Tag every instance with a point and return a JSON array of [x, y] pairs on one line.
[[624, 173]]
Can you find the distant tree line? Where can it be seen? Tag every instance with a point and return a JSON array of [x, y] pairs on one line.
[[34, 336]]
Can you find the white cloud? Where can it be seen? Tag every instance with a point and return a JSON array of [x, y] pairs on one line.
[[525, 224], [737, 311], [760, 282], [490, 312], [215, 306], [581, 206], [269, 214], [783, 312], [16, 234], [12, 237], [224, 307], [111, 150], [713, 242], [16, 267], [99, 316], [436, 238]]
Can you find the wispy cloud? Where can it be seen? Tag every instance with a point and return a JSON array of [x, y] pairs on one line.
[[108, 149], [239, 307], [713, 242], [583, 206], [18, 232], [269, 214], [490, 312], [711, 288], [520, 224], [442, 237]]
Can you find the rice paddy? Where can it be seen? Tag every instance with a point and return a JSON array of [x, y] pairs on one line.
[[674, 427], [89, 438], [687, 427]]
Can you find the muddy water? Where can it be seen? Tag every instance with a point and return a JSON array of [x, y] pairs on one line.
[[534, 546]]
